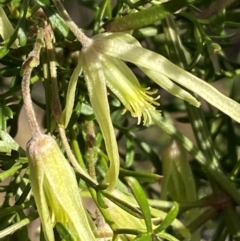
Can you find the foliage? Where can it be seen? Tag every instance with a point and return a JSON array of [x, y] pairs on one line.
[[149, 180]]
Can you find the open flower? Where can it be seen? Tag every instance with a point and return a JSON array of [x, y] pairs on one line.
[[102, 63], [101, 71]]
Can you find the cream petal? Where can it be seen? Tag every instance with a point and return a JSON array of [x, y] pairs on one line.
[[121, 36], [95, 79], [36, 177], [170, 87], [150, 60]]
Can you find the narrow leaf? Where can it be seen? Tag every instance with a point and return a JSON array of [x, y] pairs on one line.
[[172, 214], [142, 201]]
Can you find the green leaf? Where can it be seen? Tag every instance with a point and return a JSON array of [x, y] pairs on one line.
[[58, 24], [7, 144], [64, 232], [3, 51], [86, 109], [144, 237], [145, 17], [217, 21], [100, 200], [12, 35], [142, 201], [67, 112], [45, 2], [130, 152], [141, 176], [12, 228], [172, 214]]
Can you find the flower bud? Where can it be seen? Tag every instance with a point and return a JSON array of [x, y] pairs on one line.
[[178, 179], [55, 189]]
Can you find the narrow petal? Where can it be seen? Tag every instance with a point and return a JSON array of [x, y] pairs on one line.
[[170, 87], [96, 84], [67, 112], [124, 84], [150, 60]]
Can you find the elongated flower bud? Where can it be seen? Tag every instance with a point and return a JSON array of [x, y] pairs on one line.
[[178, 179], [55, 189]]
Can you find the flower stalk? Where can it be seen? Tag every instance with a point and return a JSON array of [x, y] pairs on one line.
[[31, 62], [53, 181]]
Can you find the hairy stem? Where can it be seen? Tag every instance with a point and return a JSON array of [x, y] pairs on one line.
[[82, 38], [72, 158], [31, 62]]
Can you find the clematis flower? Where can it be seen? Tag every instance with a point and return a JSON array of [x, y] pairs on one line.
[[103, 62]]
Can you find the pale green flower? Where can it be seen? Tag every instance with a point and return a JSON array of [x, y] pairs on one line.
[[101, 71]]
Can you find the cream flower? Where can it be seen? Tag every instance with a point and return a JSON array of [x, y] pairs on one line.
[[123, 83]]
